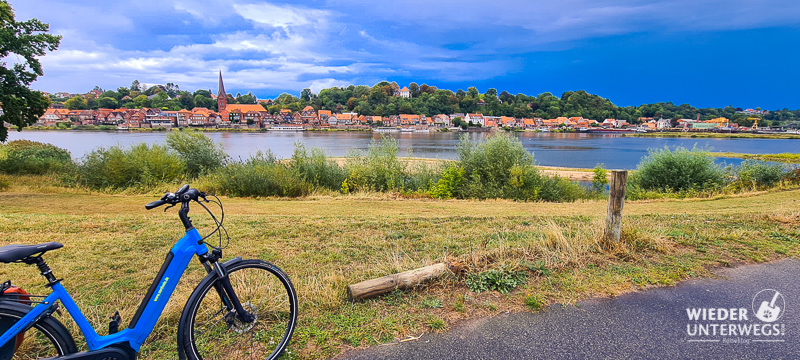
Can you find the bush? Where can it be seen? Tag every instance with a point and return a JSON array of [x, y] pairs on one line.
[[261, 175], [140, 166], [198, 151], [502, 168], [34, 158], [757, 174], [600, 179], [5, 183], [679, 170], [487, 166], [448, 184], [316, 169], [377, 170]]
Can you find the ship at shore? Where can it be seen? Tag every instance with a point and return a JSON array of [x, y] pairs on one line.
[[609, 131], [286, 128]]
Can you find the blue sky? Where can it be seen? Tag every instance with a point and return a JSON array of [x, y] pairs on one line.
[[702, 52]]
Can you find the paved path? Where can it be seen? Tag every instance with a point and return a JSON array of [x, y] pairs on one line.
[[647, 325]]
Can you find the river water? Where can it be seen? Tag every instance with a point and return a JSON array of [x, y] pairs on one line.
[[550, 149]]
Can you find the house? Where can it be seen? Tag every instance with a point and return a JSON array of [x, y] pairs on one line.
[[323, 114], [50, 118], [609, 123], [474, 118], [201, 117], [491, 121], [404, 92], [93, 94], [663, 123], [246, 114], [441, 119], [528, 123], [63, 95], [165, 119], [183, 117], [622, 123], [410, 119]]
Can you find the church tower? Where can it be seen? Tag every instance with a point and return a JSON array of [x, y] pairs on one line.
[[222, 97]]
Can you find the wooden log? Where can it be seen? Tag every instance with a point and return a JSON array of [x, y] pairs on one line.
[[404, 280], [616, 198]]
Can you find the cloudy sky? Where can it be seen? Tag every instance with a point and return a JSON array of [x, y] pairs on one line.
[[704, 52]]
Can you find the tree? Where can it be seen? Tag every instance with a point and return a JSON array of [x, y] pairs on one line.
[[76, 103], [413, 88], [136, 86], [107, 103], [305, 95], [26, 40]]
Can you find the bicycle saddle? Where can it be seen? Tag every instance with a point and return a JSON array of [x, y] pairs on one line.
[[12, 253]]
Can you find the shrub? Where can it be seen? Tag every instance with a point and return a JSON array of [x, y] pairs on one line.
[[677, 170], [198, 151], [261, 175], [379, 169], [502, 168], [451, 180], [5, 183], [600, 179], [316, 169], [140, 166], [35, 158], [757, 174], [501, 280], [487, 165]]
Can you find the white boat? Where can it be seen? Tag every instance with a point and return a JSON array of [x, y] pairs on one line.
[[287, 128], [385, 129]]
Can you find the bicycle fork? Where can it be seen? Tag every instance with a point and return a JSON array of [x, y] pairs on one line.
[[223, 286]]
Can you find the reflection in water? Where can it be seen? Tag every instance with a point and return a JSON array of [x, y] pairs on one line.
[[551, 149]]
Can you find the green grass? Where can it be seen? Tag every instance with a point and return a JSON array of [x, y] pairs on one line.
[[704, 135], [113, 249], [782, 157]]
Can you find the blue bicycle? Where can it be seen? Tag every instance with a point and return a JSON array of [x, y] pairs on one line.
[[243, 309]]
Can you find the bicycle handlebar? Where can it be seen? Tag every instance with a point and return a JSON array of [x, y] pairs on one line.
[[183, 195]]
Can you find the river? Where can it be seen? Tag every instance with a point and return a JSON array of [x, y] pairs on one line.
[[581, 150]]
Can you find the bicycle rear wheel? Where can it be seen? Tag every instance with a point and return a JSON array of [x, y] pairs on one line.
[[47, 338], [211, 331]]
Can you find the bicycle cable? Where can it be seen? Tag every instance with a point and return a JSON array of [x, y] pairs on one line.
[[219, 222]]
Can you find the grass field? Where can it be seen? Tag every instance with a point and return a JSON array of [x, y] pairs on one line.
[[782, 157], [716, 135], [114, 247]]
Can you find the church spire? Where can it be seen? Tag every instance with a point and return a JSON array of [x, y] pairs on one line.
[[222, 97], [221, 91]]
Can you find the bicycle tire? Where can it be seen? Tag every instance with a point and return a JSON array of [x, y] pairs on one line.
[[47, 338], [206, 331]]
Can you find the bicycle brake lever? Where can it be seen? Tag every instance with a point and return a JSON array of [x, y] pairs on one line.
[[170, 206]]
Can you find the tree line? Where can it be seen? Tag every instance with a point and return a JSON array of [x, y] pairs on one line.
[[380, 100]]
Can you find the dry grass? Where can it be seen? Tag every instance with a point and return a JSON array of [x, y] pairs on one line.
[[113, 248]]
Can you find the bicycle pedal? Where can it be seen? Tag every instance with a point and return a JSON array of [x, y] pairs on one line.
[[113, 325]]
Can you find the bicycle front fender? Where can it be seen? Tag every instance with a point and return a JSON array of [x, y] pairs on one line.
[[212, 276]]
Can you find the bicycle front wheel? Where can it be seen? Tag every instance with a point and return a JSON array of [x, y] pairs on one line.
[[211, 331]]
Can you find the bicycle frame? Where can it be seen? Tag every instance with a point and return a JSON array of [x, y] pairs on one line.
[[146, 316]]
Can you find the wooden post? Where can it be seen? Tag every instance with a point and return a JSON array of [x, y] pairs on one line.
[[404, 280], [616, 198]]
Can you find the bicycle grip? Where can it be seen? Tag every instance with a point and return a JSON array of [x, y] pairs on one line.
[[155, 204]]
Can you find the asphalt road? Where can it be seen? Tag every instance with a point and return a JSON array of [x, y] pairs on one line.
[[646, 325]]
